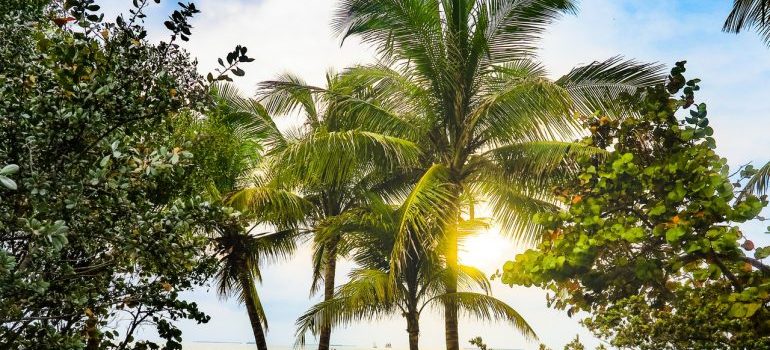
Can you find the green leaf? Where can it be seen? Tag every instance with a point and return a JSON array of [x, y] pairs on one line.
[[762, 253], [8, 183], [658, 209], [9, 169], [674, 234]]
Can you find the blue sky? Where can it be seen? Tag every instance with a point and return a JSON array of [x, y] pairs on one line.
[[294, 35]]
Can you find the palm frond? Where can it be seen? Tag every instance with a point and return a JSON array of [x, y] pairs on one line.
[[289, 94], [252, 297], [760, 182], [271, 205], [402, 29], [749, 14], [512, 29], [470, 277], [334, 157], [541, 163], [596, 87], [367, 296], [484, 307], [425, 209], [523, 108], [514, 209], [247, 117]]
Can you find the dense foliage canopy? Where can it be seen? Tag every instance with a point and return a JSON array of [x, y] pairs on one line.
[[100, 218], [650, 242]]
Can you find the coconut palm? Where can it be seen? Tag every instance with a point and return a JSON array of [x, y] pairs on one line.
[[232, 135], [333, 167], [239, 269], [749, 14], [457, 78], [372, 293]]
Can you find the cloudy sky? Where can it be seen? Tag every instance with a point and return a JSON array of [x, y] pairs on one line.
[[294, 35]]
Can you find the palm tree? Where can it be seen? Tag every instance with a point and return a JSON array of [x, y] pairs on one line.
[[333, 167], [233, 134], [749, 14], [239, 269], [457, 78], [372, 293]]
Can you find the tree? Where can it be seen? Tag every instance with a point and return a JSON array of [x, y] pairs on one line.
[[95, 220], [228, 141], [334, 166], [373, 293], [457, 78], [649, 243], [239, 269]]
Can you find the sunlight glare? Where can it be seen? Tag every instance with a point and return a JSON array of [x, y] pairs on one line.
[[487, 251]]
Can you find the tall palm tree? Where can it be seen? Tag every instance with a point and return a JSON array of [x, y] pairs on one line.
[[457, 78], [372, 292], [233, 134], [331, 166], [749, 14], [239, 269]]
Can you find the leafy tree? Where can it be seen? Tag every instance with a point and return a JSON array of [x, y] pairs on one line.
[[95, 218], [458, 79], [649, 243], [373, 292]]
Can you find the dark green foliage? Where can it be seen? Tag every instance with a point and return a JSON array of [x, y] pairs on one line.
[[650, 241], [101, 218]]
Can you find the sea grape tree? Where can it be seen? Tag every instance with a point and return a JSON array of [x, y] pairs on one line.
[[650, 242]]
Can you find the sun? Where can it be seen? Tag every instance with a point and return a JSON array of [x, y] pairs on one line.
[[487, 251]]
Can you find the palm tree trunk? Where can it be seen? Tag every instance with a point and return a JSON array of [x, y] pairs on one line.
[[330, 270], [450, 308], [251, 309], [413, 328]]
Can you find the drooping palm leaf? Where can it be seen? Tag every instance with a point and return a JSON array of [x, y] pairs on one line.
[[595, 87], [424, 210], [485, 307], [748, 14], [760, 182]]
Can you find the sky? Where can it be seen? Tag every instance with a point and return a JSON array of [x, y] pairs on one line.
[[295, 36]]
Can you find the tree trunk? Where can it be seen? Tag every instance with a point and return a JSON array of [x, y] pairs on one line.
[[256, 325], [330, 270], [450, 308], [94, 339], [413, 328]]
